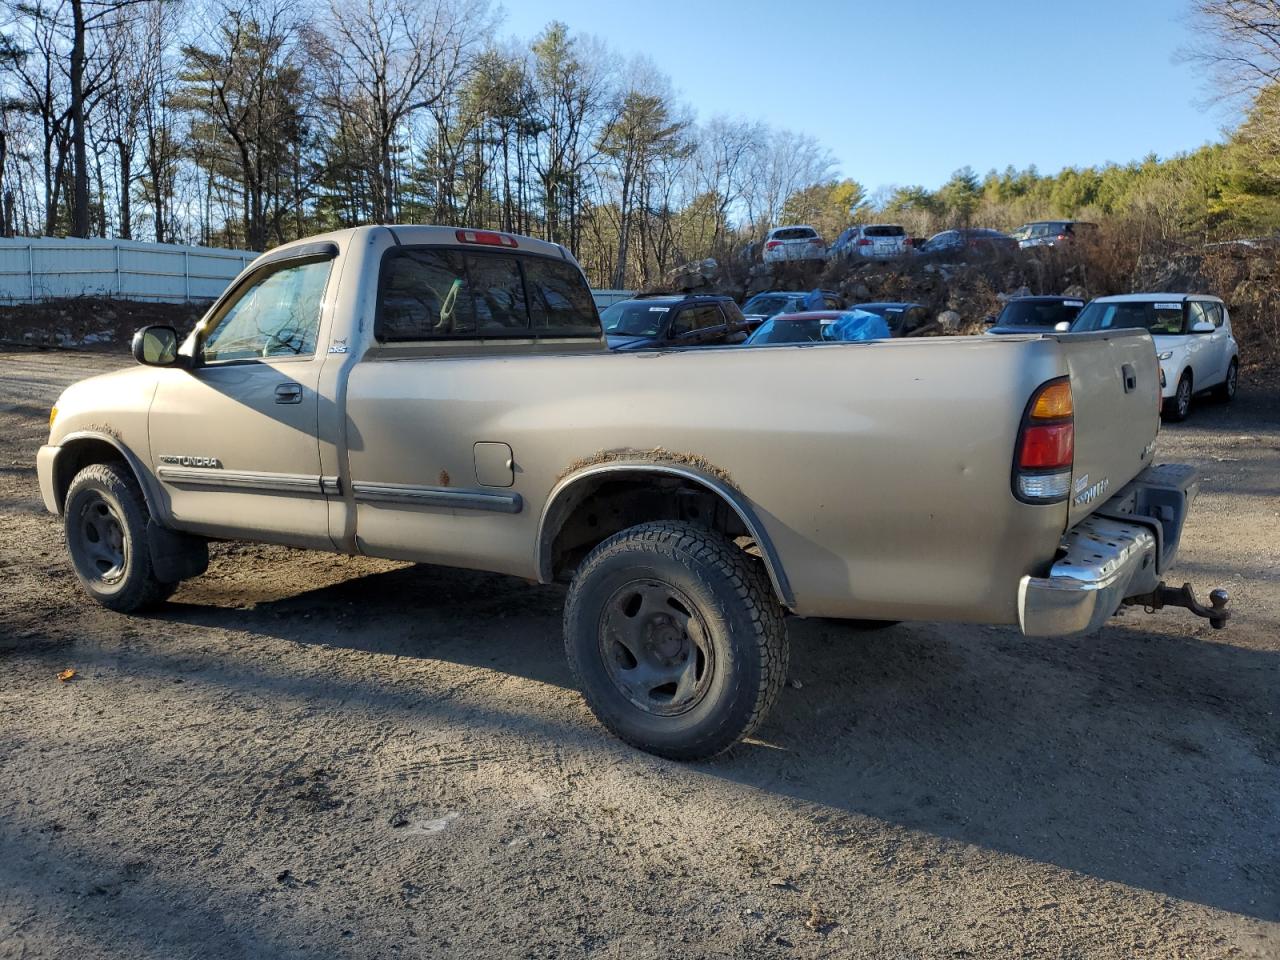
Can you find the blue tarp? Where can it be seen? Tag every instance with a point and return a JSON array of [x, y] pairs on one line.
[[856, 325]]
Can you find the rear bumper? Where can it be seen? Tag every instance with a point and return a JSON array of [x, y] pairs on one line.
[[46, 459], [1117, 552]]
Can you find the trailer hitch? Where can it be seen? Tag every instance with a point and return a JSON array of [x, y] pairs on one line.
[[1185, 596]]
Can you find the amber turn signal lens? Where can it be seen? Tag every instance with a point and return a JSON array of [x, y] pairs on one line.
[[1053, 403], [53, 415]]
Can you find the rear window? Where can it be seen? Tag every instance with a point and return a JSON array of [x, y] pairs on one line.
[[768, 304], [1159, 317], [884, 230], [432, 293], [794, 233], [1030, 314]]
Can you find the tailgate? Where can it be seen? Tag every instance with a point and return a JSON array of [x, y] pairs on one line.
[[1115, 388]]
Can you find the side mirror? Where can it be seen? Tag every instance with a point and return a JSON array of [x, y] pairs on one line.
[[989, 320], [1203, 326], [1062, 326], [156, 346]]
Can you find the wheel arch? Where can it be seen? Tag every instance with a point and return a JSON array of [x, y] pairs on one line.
[[84, 449], [574, 491]]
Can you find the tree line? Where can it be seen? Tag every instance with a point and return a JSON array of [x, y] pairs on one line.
[[248, 123]]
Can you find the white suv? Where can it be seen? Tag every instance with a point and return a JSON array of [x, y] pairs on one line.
[[793, 243], [1193, 340], [876, 240]]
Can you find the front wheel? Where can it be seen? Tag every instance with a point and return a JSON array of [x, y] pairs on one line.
[[1178, 406], [105, 521], [676, 638]]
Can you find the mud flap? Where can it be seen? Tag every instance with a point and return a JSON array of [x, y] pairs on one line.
[[176, 556]]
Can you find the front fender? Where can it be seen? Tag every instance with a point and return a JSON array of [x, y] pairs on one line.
[[57, 465]]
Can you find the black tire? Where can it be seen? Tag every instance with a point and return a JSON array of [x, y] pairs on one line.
[[1178, 406], [105, 521], [1225, 392], [704, 620]]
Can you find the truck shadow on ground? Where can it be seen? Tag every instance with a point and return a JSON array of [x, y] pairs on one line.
[[1146, 758]]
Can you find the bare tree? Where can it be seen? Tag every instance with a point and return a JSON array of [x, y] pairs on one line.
[[1240, 40], [386, 60]]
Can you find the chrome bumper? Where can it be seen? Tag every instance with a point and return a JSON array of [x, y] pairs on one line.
[[1118, 552]]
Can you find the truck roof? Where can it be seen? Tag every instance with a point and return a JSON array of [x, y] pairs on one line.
[[414, 234]]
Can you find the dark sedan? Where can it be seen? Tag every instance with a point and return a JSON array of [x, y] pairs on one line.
[[977, 240], [1036, 314]]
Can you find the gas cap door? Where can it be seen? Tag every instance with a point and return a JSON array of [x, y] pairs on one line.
[[495, 466]]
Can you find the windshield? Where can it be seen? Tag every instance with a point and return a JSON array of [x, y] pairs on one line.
[[767, 304], [634, 318], [1158, 317], [1024, 313], [789, 331]]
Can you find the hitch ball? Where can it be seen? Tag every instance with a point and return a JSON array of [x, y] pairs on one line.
[[1218, 599]]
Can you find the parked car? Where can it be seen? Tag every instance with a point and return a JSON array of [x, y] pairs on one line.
[[349, 393], [877, 241], [676, 320], [972, 240], [821, 326], [1035, 314], [793, 243], [902, 318], [772, 302], [1193, 340], [1050, 233]]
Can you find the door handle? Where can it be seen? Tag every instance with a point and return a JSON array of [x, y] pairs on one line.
[[289, 393]]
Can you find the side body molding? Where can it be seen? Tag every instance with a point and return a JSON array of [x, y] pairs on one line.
[[566, 495]]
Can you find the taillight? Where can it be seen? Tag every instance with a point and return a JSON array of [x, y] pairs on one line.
[[773, 243], [486, 238], [864, 242], [1046, 445]]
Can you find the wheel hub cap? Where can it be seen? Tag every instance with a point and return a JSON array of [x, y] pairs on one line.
[[655, 647]]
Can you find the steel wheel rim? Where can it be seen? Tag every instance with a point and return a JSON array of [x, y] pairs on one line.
[[1184, 396], [655, 647], [103, 552]]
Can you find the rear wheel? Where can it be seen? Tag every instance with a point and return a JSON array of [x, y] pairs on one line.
[[1178, 406], [676, 639], [1226, 391], [105, 521]]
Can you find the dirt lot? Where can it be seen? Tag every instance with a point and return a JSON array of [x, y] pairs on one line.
[[312, 756]]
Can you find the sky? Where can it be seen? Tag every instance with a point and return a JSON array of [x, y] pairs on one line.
[[906, 91]]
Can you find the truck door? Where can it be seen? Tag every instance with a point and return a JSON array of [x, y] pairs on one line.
[[233, 439]]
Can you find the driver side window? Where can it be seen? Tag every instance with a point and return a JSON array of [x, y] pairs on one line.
[[278, 315]]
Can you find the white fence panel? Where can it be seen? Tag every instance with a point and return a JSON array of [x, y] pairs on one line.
[[46, 268]]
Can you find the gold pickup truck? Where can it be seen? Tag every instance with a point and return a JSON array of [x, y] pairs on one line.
[[446, 396]]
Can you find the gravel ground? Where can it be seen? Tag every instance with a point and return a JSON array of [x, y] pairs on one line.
[[313, 756]]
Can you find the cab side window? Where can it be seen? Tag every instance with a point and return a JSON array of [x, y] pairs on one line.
[[275, 316], [691, 319]]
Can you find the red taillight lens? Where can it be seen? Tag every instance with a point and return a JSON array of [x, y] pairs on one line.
[[864, 242], [773, 243], [486, 238], [1047, 446]]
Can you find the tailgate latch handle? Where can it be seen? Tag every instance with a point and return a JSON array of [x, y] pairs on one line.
[[1130, 377]]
